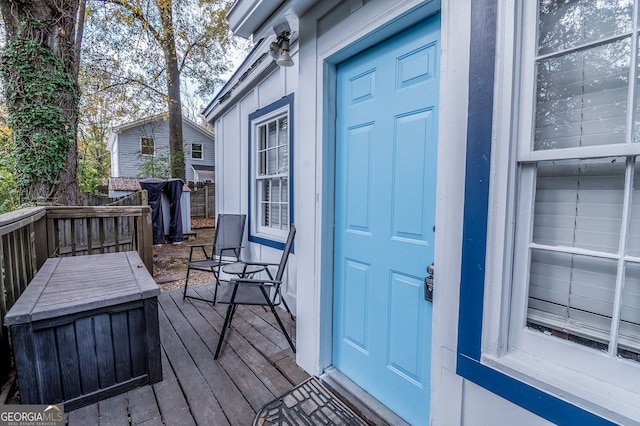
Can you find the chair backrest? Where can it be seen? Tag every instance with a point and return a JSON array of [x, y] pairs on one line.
[[285, 253], [229, 234]]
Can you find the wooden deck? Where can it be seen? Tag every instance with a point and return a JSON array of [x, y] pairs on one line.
[[255, 366]]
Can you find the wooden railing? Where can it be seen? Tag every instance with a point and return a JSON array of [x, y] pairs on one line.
[[29, 236]]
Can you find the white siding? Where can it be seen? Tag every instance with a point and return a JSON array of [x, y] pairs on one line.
[[232, 147]]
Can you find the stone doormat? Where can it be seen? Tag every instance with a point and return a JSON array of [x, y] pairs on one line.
[[309, 403]]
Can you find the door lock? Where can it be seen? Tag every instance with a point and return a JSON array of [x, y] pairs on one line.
[[428, 284]]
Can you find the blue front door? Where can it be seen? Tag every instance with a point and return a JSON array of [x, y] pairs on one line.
[[385, 215]]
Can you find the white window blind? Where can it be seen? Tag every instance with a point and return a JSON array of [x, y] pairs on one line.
[[584, 240]]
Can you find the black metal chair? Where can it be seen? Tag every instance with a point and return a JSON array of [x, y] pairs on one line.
[[261, 292], [226, 247]]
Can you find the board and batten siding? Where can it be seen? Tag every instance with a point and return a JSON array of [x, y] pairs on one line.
[[233, 158], [126, 157]]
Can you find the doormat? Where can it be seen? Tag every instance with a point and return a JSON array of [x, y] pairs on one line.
[[309, 403]]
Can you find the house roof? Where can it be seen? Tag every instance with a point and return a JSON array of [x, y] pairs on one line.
[[256, 18], [133, 184], [203, 168], [150, 119], [236, 78], [124, 184]]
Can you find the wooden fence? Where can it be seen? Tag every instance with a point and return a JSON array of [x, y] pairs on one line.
[[139, 198], [202, 199], [29, 236]]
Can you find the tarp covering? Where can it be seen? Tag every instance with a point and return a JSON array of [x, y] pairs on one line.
[[172, 188]]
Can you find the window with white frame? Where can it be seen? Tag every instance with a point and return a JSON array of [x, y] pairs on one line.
[[196, 151], [574, 300], [147, 146], [271, 191]]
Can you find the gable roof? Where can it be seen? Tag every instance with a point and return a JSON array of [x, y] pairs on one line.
[[124, 184], [203, 168]]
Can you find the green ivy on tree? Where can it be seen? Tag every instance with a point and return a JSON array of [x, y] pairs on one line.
[[9, 199], [34, 78]]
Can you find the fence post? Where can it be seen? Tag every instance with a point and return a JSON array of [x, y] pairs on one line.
[[206, 201], [145, 237]]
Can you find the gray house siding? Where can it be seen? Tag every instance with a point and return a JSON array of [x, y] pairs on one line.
[[125, 146], [194, 136]]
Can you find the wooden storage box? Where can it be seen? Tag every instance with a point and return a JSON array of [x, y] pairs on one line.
[[85, 329]]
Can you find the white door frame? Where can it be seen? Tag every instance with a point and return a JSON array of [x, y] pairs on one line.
[[371, 34]]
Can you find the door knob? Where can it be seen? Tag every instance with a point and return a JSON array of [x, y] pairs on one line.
[[428, 284]]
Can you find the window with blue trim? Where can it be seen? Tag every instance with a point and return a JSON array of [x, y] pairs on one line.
[[270, 192], [553, 324]]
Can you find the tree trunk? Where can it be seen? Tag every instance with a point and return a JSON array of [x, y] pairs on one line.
[[174, 101], [82, 7], [37, 67]]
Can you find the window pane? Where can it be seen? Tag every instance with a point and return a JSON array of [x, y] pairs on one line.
[[272, 162], [285, 190], [636, 127], [262, 163], [271, 134], [579, 203], [633, 244], [196, 151], [284, 215], [283, 131], [147, 146], [568, 23], [581, 97], [275, 193], [265, 214], [573, 294], [283, 159], [265, 195], [275, 215], [262, 137], [629, 340]]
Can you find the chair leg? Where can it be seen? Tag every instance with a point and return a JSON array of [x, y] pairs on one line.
[[275, 314], [231, 309], [227, 323], [215, 290], [186, 283], [284, 302]]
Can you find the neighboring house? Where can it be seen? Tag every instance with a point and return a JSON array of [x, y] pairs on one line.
[[496, 139], [147, 140]]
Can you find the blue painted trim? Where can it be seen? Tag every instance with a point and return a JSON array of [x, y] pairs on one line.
[[555, 410], [284, 101], [476, 197], [474, 239]]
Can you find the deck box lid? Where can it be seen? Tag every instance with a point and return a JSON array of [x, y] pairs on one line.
[[69, 285]]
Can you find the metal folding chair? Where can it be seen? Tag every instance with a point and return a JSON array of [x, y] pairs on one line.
[[262, 292], [226, 247]]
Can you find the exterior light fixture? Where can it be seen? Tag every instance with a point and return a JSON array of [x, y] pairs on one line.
[[279, 50]]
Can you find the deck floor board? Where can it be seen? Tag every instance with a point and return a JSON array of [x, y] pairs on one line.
[[255, 366]]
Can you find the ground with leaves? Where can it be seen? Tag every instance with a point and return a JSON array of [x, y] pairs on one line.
[[169, 260]]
